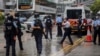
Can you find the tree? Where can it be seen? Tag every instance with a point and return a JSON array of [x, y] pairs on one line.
[[95, 7]]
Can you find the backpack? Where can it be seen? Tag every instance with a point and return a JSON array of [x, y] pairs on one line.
[[48, 22]]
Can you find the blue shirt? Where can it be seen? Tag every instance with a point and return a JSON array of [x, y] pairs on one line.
[[96, 22], [99, 22], [59, 19]]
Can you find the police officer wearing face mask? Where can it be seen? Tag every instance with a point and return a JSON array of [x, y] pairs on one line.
[[96, 27], [79, 26], [67, 31], [19, 31], [37, 32], [48, 26], [10, 32], [6, 16]]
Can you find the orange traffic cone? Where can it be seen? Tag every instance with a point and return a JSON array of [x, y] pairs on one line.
[[89, 36]]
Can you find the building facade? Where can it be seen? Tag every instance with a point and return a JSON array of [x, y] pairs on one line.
[[1, 5]]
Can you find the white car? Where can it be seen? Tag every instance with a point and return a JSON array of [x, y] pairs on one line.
[[22, 19], [29, 23]]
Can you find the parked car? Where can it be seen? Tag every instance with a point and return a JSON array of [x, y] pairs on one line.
[[29, 23]]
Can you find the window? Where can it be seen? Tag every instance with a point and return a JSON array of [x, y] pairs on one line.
[[84, 0]]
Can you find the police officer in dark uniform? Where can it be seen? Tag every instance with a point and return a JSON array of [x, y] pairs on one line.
[[79, 26], [48, 26], [10, 33], [67, 31], [6, 16], [38, 31], [19, 32]]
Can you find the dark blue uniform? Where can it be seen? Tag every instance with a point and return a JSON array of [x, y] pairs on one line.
[[6, 16], [10, 32], [38, 34], [48, 26], [79, 28], [19, 32]]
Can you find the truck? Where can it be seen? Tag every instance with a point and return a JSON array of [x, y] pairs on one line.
[[30, 7], [73, 13]]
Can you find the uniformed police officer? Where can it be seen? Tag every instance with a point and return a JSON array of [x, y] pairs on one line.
[[80, 26], [96, 26], [48, 26], [38, 31], [10, 32], [19, 32], [6, 16], [67, 31], [59, 20]]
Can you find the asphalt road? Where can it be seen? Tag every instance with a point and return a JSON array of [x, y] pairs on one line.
[[50, 47]]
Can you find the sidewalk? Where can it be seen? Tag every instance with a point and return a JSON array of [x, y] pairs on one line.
[[86, 49], [1, 28]]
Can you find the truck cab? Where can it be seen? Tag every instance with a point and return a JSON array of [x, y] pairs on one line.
[[73, 13]]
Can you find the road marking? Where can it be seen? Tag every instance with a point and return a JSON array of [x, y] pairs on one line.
[[68, 48]]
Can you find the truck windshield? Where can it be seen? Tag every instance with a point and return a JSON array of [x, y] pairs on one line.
[[25, 4], [74, 13]]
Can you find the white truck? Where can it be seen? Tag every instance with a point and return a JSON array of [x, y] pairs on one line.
[[73, 13], [29, 23]]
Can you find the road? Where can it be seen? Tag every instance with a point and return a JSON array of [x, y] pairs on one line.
[[50, 47]]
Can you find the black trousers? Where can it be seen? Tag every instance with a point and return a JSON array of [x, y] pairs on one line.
[[38, 40], [67, 33], [20, 41], [79, 32], [96, 33], [10, 42], [59, 29], [49, 30]]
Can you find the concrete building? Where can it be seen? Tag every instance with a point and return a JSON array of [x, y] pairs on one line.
[[1, 5], [9, 4], [63, 3], [84, 2]]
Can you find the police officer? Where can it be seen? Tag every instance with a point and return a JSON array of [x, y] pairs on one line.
[[48, 26], [19, 32], [38, 31], [96, 26], [6, 16], [79, 26], [10, 32], [67, 31], [59, 25]]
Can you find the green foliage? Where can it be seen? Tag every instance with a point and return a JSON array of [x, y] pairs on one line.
[[1, 19], [95, 7]]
